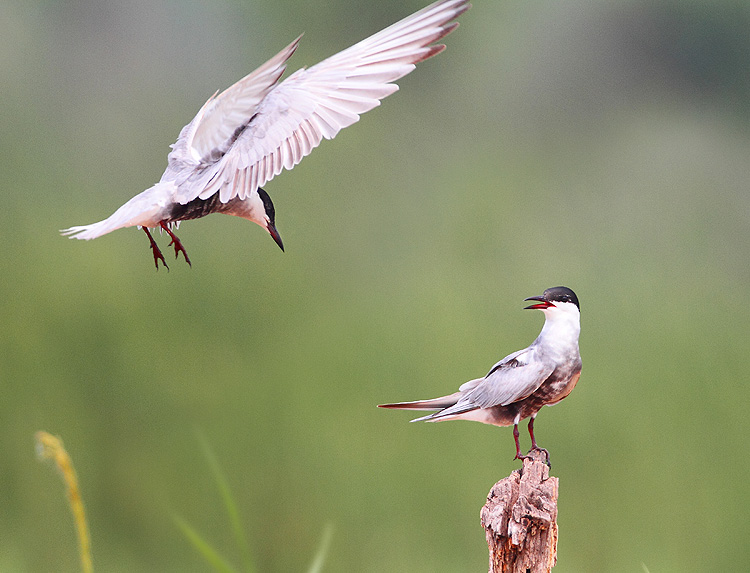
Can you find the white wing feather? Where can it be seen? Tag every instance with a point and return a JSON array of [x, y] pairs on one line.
[[220, 117], [294, 116]]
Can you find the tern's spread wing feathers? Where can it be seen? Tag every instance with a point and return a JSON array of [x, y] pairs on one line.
[[512, 379], [212, 131], [317, 103]]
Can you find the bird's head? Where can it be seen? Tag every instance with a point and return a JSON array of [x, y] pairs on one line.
[[269, 218], [556, 301], [258, 208]]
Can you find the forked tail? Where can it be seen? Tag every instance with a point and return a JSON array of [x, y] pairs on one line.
[[88, 232], [146, 209], [434, 404]]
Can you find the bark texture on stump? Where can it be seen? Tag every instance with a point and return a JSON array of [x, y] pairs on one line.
[[520, 519]]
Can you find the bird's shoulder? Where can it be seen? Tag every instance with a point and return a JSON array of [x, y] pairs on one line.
[[517, 359]]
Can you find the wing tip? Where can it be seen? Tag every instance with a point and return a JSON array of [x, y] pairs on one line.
[[430, 51], [294, 44], [463, 8]]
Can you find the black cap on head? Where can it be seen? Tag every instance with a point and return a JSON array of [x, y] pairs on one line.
[[561, 294], [267, 205], [271, 213]]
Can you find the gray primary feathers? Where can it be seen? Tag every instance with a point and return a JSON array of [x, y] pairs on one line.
[[245, 136], [521, 383]]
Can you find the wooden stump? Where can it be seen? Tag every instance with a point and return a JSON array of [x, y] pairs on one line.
[[520, 519]]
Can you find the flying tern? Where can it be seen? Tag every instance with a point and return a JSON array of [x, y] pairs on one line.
[[242, 138], [521, 383]]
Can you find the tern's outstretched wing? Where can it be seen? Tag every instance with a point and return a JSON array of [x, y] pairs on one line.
[[213, 129], [312, 104]]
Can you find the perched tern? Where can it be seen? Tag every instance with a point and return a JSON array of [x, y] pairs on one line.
[[521, 383], [246, 135]]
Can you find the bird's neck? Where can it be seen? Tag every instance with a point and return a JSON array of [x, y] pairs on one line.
[[561, 334]]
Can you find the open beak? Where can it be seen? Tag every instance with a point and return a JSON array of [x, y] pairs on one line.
[[275, 235], [543, 304]]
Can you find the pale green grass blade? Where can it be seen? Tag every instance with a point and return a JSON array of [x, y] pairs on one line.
[[229, 504], [325, 544], [200, 544]]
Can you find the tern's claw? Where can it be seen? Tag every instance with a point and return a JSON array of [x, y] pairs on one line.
[[158, 256], [178, 248], [537, 449]]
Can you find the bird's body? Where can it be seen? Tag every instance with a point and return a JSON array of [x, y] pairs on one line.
[[519, 385], [242, 138]]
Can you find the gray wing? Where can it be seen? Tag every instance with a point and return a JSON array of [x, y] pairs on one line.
[[512, 379], [317, 103]]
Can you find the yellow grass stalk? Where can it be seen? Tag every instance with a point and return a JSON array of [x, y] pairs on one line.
[[50, 447]]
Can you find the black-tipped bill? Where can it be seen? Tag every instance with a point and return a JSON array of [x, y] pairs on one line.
[[275, 235], [543, 304]]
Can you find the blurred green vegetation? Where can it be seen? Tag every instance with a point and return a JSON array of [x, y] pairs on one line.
[[599, 145]]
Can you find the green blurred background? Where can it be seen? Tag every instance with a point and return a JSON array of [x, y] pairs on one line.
[[600, 145]]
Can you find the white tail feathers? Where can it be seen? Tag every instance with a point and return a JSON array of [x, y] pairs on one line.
[[146, 209], [88, 232]]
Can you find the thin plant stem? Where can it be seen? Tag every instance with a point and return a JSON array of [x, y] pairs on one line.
[[50, 447]]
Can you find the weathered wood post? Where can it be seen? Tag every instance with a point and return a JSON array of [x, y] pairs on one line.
[[520, 519]]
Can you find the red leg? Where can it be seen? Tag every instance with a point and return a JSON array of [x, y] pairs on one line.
[[178, 248], [531, 433], [533, 441], [155, 249], [519, 456]]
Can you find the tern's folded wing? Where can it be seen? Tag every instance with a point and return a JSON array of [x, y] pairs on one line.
[[512, 379]]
